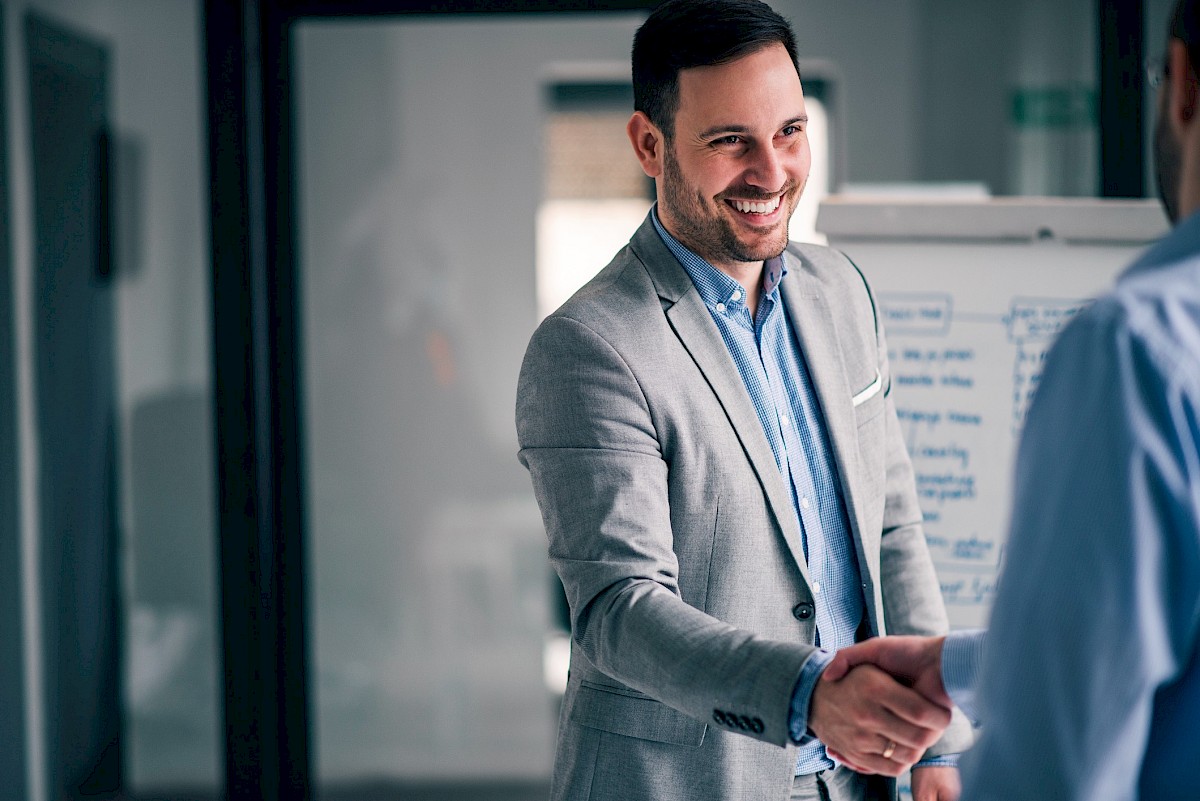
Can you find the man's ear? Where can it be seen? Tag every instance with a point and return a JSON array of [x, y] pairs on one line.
[[648, 142], [1183, 100]]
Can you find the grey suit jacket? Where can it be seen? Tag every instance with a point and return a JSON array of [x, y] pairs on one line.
[[672, 529]]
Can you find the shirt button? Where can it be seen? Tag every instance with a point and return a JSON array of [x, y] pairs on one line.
[[720, 307], [802, 610], [736, 296], [805, 503], [786, 422], [816, 587]]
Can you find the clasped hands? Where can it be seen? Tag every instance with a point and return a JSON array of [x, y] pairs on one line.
[[880, 703]]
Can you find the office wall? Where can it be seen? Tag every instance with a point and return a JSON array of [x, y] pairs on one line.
[[421, 158], [874, 47], [973, 63]]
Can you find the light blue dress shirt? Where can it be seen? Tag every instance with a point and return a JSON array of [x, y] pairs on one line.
[[768, 358], [962, 658], [1090, 687]]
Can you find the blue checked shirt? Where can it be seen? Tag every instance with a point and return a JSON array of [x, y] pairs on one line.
[[768, 357]]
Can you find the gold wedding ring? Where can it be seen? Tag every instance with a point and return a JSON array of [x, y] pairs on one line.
[[888, 750]]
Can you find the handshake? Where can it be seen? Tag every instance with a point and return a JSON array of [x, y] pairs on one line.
[[881, 703]]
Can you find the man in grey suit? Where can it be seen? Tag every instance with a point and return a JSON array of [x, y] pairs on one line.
[[713, 445]]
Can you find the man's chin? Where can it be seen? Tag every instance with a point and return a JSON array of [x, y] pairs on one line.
[[762, 249]]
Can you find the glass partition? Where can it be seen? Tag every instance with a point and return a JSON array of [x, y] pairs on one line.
[[421, 156]]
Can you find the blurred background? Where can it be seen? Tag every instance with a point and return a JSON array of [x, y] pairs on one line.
[[267, 272]]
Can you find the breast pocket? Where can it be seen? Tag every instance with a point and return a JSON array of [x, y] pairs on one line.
[[872, 440], [634, 715], [868, 401]]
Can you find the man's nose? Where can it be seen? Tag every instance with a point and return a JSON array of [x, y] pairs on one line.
[[766, 169]]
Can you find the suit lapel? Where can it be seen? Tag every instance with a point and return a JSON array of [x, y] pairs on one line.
[[813, 323], [692, 323]]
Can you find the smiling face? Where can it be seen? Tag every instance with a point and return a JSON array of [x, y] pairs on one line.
[[738, 159]]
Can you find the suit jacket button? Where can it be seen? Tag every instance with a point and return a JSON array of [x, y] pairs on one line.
[[719, 717], [756, 725], [803, 610]]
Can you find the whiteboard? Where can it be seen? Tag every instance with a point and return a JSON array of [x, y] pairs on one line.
[[972, 295]]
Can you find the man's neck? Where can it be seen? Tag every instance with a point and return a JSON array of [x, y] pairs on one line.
[[750, 276]]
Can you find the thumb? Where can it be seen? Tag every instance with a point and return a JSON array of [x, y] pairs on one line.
[[836, 669]]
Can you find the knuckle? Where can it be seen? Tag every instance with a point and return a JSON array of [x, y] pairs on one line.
[[936, 716]]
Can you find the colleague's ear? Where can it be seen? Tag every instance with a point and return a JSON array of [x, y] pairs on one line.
[[648, 142]]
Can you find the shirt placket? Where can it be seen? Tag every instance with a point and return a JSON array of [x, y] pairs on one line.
[[831, 569], [797, 469]]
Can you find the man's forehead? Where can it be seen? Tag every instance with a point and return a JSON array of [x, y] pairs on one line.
[[757, 88]]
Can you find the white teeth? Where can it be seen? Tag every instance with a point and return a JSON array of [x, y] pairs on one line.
[[756, 208]]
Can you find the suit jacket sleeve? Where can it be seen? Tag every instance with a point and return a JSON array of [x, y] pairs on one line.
[[588, 438]]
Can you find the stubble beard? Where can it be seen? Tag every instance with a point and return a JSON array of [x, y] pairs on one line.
[[1167, 166], [711, 236]]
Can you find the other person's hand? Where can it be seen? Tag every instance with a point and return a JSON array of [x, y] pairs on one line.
[[936, 783]]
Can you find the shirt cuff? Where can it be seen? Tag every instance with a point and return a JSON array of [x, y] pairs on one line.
[[943, 761], [810, 674], [962, 653]]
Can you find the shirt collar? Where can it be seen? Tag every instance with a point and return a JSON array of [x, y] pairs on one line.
[[713, 285]]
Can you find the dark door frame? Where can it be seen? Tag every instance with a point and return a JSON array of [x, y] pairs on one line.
[[14, 757], [1121, 97], [256, 373]]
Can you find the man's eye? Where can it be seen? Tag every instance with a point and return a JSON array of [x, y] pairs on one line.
[[792, 130], [732, 139]]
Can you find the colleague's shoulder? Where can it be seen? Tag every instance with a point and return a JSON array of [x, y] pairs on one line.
[[1150, 319]]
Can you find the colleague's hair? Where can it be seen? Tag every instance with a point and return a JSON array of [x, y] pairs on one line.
[[1185, 26], [681, 34]]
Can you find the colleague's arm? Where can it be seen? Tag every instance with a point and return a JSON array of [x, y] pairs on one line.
[[962, 661]]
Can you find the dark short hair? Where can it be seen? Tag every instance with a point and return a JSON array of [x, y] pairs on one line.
[[681, 34]]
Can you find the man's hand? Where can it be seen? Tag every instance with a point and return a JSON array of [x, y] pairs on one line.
[[917, 661], [873, 723], [936, 783]]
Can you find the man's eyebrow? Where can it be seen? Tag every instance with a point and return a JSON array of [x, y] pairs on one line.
[[717, 130], [723, 129]]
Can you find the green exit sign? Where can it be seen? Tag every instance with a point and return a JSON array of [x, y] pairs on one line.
[[1069, 106]]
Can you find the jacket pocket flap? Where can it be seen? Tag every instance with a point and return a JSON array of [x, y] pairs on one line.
[[632, 716]]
